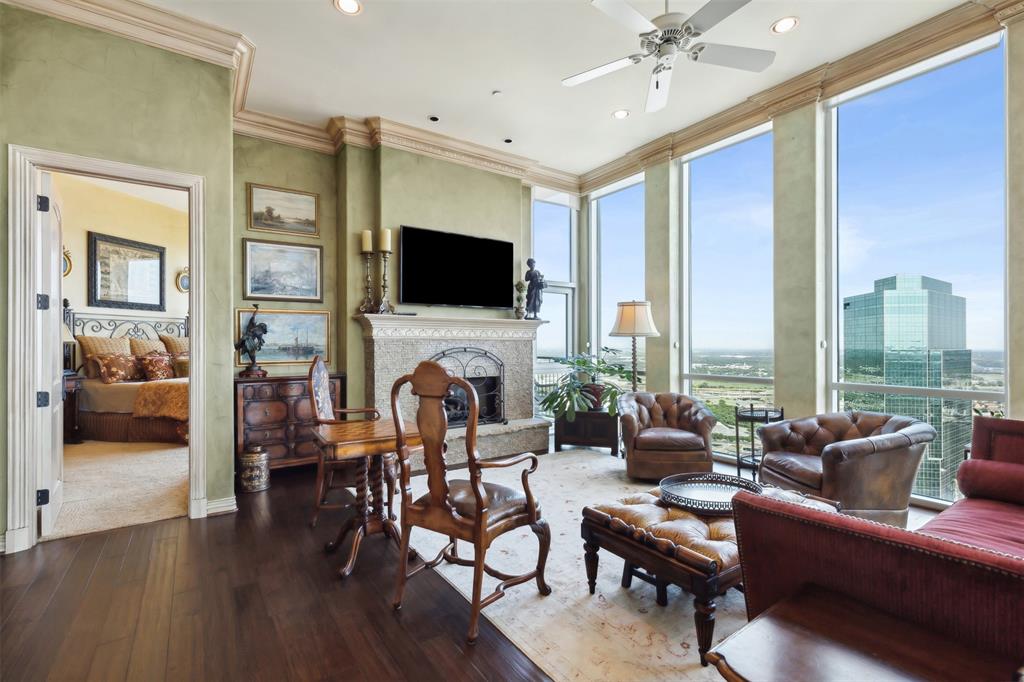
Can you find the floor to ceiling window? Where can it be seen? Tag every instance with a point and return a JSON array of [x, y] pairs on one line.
[[918, 303], [619, 230], [727, 227], [554, 250]]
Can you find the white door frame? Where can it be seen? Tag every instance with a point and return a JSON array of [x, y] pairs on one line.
[[24, 423]]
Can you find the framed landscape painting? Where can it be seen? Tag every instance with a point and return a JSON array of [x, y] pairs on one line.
[[125, 274], [286, 211], [275, 271], [293, 336]]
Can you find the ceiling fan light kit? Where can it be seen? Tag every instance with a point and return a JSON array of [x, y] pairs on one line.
[[670, 35]]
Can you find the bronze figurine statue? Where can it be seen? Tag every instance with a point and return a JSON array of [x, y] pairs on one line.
[[535, 290], [250, 343]]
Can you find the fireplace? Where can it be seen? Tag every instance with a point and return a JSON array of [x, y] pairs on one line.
[[486, 372]]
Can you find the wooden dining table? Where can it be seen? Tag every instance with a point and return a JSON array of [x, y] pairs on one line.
[[364, 441]]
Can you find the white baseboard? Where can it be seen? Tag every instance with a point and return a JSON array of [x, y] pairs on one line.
[[17, 539], [3, 544], [224, 505]]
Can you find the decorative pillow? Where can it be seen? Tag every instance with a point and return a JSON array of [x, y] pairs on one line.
[[157, 366], [101, 345], [175, 344], [181, 365], [992, 480], [146, 346], [113, 368]]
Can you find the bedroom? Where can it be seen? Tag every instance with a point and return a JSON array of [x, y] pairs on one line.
[[124, 352]]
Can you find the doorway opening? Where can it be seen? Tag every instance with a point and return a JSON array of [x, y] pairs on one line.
[[132, 289], [124, 349]]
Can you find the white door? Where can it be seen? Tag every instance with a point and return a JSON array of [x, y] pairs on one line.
[[50, 360]]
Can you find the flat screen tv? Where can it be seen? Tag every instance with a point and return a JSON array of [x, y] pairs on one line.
[[442, 268]]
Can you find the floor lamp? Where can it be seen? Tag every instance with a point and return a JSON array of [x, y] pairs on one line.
[[634, 319]]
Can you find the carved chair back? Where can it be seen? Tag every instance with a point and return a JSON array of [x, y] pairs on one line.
[[320, 392], [431, 384]]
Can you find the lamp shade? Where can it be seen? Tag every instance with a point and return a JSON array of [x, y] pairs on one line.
[[634, 319]]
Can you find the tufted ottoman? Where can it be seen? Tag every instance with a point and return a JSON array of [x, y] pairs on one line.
[[661, 545]]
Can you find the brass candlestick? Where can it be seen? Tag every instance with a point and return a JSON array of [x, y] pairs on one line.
[[367, 305], [385, 307]]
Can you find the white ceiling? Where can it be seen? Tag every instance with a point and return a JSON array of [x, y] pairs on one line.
[[405, 60]]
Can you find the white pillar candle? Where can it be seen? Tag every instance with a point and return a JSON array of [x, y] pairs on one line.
[[367, 241], [385, 240]]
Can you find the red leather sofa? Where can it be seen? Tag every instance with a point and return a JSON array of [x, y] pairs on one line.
[[961, 574]]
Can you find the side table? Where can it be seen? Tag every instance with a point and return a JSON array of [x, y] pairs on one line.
[[596, 429], [72, 385], [753, 415]]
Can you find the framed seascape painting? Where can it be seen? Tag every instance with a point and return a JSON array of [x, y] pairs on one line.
[[293, 336], [125, 274], [286, 211], [275, 271]]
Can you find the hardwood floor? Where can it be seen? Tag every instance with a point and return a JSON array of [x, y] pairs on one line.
[[248, 595]]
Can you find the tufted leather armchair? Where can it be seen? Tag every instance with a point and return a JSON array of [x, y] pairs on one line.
[[665, 434], [865, 460]]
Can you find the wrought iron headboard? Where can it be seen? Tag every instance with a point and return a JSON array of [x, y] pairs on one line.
[[132, 327]]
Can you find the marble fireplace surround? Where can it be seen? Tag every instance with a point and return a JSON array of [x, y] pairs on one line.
[[395, 344]]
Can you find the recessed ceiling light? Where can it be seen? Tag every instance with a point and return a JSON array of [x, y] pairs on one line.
[[433, 119], [785, 25], [508, 140], [620, 114], [351, 7]]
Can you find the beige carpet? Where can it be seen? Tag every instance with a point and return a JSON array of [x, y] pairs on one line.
[[615, 634], [110, 485]]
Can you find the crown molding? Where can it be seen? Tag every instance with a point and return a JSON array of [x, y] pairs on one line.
[[955, 27], [346, 130], [284, 131], [160, 28], [552, 178], [385, 133]]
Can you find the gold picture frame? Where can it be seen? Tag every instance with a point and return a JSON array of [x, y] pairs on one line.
[[183, 281], [292, 216], [301, 350]]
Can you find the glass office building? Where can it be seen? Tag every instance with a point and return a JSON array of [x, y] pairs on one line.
[[912, 331]]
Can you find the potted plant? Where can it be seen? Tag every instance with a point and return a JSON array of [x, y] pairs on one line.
[[520, 311], [582, 389]]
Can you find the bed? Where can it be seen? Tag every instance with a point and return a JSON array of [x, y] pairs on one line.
[[129, 411]]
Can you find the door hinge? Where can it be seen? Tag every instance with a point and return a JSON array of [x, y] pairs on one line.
[[42, 497], [42, 399], [42, 203], [42, 301]]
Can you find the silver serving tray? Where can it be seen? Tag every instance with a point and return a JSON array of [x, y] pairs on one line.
[[704, 492]]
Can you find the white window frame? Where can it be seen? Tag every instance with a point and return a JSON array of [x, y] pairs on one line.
[[686, 253], [833, 320], [542, 195], [594, 342]]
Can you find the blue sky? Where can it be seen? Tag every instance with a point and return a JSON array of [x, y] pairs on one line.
[[920, 191]]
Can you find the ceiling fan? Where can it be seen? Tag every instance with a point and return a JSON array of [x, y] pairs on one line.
[[669, 36]]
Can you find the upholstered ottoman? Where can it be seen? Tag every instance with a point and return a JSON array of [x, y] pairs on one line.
[[661, 545]]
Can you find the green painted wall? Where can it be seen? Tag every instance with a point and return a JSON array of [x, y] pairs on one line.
[[279, 165], [662, 274], [73, 89]]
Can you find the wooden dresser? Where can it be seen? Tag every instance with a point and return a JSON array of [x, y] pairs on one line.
[[275, 412]]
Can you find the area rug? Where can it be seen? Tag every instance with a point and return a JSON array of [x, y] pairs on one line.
[[614, 634], [110, 485]]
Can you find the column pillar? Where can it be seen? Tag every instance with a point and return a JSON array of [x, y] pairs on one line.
[[661, 235]]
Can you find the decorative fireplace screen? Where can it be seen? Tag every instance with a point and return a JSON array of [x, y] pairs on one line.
[[486, 372]]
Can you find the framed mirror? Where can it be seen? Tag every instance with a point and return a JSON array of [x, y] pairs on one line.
[[125, 274]]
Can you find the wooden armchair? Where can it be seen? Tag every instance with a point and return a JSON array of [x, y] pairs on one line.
[[470, 510], [326, 469]]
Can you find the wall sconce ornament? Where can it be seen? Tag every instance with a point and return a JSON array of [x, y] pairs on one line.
[[67, 264], [183, 281]]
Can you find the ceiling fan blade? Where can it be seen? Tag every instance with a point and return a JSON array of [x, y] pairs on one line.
[[623, 12], [746, 58], [714, 12], [657, 91], [599, 71]]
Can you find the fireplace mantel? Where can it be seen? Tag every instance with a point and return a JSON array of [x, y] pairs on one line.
[[395, 344], [423, 327]]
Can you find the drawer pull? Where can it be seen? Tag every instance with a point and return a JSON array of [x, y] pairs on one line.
[[266, 413]]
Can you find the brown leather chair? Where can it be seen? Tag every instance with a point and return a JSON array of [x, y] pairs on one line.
[[665, 434], [865, 460]]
